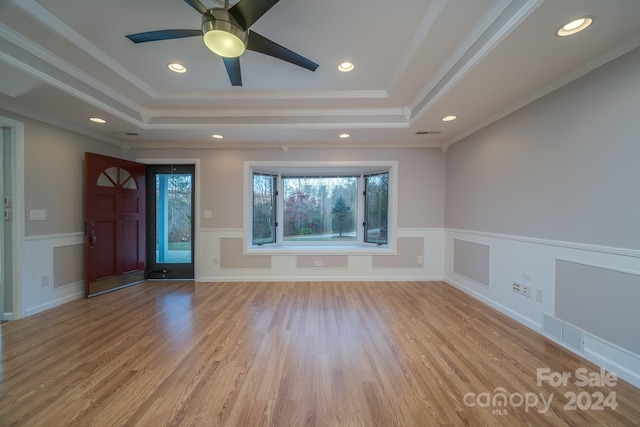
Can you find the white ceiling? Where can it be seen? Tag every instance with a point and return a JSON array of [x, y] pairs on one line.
[[62, 61]]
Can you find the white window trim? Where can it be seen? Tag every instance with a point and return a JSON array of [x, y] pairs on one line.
[[312, 167]]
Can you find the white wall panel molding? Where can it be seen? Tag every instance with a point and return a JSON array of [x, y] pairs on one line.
[[570, 245], [532, 262], [38, 265], [284, 267], [70, 238]]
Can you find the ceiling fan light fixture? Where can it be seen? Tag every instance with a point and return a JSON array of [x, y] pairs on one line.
[[224, 37]]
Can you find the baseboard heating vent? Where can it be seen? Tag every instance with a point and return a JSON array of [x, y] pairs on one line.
[[564, 332]]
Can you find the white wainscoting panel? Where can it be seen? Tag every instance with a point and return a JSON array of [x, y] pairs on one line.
[[37, 263], [284, 267], [532, 262]]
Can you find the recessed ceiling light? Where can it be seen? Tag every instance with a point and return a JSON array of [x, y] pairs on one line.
[[449, 118], [345, 67], [344, 135], [217, 136], [177, 68], [98, 120], [575, 26]]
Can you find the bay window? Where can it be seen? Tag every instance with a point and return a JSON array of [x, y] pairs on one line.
[[320, 207]]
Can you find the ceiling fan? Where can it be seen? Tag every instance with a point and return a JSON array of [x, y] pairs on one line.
[[225, 31]]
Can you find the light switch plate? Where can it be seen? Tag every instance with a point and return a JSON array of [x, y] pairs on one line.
[[37, 214]]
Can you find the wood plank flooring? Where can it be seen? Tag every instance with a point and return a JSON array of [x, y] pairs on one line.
[[290, 354]]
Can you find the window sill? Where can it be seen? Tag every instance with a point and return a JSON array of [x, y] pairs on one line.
[[354, 249]]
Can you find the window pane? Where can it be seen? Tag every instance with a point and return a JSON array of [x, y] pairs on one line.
[[264, 208], [173, 218], [105, 181], [127, 181], [320, 208], [376, 208]]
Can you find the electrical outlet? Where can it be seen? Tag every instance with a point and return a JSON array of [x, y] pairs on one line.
[[215, 260], [527, 275], [517, 287], [539, 295], [526, 291], [420, 260], [317, 263], [44, 281]]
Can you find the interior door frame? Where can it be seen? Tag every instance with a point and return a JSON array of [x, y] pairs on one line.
[[196, 202], [16, 139], [166, 270]]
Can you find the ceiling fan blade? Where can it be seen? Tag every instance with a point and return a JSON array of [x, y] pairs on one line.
[[246, 12], [197, 6], [151, 36], [233, 70], [258, 43]]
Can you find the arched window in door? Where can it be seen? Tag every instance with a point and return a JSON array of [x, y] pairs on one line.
[[114, 176]]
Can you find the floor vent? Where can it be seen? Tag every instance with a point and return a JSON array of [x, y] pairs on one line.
[[564, 332]]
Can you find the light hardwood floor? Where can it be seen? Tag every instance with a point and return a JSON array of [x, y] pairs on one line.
[[289, 354]]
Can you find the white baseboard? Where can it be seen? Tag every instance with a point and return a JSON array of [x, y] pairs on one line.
[[531, 324], [512, 257], [320, 279], [54, 303]]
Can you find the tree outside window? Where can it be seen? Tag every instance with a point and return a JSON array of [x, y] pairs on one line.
[[308, 208], [320, 209]]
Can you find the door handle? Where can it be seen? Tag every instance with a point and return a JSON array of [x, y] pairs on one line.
[[92, 239]]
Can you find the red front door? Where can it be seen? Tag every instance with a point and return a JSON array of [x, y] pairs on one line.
[[114, 223]]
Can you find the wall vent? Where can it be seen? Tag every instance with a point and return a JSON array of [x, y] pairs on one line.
[[552, 326], [125, 133], [572, 336], [564, 332]]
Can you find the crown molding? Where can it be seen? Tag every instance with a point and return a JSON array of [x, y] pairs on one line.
[[278, 112], [71, 72], [594, 63], [497, 24], [333, 145], [61, 124], [430, 89], [34, 9], [424, 28], [284, 95]]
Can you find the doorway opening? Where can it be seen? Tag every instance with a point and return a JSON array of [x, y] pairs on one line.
[[5, 230], [12, 228], [170, 222]]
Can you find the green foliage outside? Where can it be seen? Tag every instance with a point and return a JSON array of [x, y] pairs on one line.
[[341, 218]]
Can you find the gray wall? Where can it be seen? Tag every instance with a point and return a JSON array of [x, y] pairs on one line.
[[566, 167], [54, 169], [421, 174], [587, 296]]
